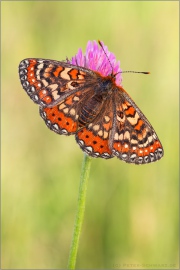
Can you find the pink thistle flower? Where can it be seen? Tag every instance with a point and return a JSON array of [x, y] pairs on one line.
[[96, 60]]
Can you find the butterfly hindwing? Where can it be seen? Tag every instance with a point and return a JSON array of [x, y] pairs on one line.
[[64, 117], [94, 138]]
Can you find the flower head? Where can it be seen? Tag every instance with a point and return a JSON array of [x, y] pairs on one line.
[[96, 59]]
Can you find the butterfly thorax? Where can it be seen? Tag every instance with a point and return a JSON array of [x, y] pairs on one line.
[[106, 86]]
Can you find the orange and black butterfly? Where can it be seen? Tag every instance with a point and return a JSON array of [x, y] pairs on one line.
[[75, 100]]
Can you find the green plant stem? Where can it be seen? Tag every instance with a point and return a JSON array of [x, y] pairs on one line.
[[80, 211]]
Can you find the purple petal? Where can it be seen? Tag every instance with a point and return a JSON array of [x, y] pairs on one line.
[[95, 59]]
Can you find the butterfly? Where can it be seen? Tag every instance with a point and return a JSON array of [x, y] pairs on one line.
[[76, 100]]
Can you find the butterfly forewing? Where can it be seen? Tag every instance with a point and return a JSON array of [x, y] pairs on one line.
[[49, 82]]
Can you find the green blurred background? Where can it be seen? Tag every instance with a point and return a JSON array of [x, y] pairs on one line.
[[131, 218]]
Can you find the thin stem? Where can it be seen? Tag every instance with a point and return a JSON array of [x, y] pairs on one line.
[[80, 211]]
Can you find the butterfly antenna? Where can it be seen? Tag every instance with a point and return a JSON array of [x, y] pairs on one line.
[[128, 71], [132, 71], [100, 43]]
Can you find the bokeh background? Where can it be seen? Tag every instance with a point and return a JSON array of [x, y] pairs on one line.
[[131, 217]]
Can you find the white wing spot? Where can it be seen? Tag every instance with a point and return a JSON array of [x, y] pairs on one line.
[[134, 141], [124, 156], [105, 155], [64, 131], [121, 137], [33, 89], [53, 86], [133, 120], [106, 118], [105, 135], [55, 94], [133, 155], [100, 133], [96, 127], [56, 126], [64, 74], [126, 145], [44, 82], [81, 142], [66, 110], [72, 112], [127, 135], [45, 92], [116, 136], [89, 149], [76, 98], [40, 66], [62, 106]]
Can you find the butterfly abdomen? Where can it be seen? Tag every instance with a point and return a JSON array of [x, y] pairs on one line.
[[90, 109]]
